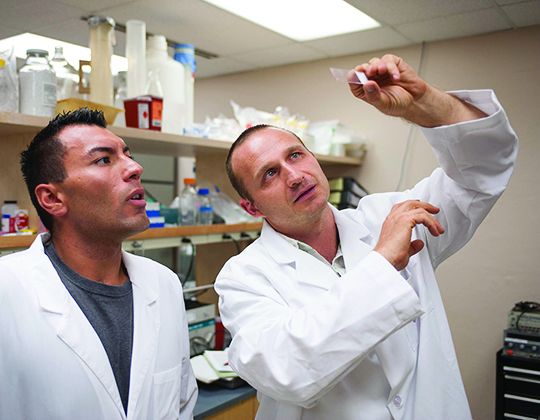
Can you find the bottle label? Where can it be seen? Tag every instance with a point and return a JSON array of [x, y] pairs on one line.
[[157, 108], [144, 118], [49, 94], [205, 208]]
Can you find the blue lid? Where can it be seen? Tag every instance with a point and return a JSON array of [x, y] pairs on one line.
[[185, 54], [184, 46], [204, 191]]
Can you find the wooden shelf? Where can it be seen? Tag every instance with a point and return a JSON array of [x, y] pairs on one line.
[[206, 234], [148, 141]]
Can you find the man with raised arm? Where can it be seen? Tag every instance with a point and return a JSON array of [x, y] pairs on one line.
[[337, 314]]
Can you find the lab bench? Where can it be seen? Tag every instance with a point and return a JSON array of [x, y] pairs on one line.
[[218, 403]]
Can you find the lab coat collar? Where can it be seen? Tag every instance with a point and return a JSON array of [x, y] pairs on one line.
[[72, 326], [70, 323], [355, 241], [350, 231]]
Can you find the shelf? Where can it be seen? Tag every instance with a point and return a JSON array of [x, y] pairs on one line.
[[156, 237], [148, 141]]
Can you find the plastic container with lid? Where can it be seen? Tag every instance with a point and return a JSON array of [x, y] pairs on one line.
[[171, 78], [37, 85], [188, 204], [205, 215]]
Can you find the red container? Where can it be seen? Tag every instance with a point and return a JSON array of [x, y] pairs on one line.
[[144, 112]]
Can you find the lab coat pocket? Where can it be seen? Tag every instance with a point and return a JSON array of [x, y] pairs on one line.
[[167, 394]]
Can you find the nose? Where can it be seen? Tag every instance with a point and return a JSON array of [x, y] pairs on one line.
[[294, 176], [133, 170]]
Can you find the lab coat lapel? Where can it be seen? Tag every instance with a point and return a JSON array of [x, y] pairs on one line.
[[309, 271], [70, 323], [146, 325], [354, 237]]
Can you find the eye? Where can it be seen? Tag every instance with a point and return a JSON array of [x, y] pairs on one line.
[[104, 160], [269, 174], [295, 155]]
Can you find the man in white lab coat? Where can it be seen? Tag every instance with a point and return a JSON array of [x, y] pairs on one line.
[[337, 314], [88, 331]]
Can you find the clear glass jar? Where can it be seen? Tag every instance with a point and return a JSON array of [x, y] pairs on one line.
[[67, 78], [37, 83]]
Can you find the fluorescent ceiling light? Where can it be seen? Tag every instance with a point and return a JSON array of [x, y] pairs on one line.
[[72, 52], [300, 20]]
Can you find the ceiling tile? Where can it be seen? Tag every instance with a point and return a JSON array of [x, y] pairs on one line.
[[31, 15], [394, 12], [524, 14], [504, 2], [74, 30], [219, 66], [200, 24], [280, 56], [95, 6], [358, 42], [483, 21], [6, 33]]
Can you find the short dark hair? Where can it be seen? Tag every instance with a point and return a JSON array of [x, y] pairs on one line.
[[235, 181], [43, 161]]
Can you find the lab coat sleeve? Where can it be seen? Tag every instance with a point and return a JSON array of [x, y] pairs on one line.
[[296, 355], [477, 159]]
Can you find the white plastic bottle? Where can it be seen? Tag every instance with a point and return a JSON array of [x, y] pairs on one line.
[[171, 75], [188, 204], [205, 213], [185, 55], [9, 209]]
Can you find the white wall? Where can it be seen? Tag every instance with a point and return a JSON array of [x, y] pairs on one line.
[[499, 267]]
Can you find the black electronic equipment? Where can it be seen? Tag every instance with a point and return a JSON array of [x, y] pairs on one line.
[[520, 344]]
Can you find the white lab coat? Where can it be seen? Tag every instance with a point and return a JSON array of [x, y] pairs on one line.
[[53, 365], [317, 346]]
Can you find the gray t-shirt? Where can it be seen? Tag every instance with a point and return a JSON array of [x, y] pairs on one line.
[[109, 310]]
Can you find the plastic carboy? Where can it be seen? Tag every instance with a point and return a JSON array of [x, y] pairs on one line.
[[67, 78], [188, 203], [205, 215], [171, 77], [37, 82]]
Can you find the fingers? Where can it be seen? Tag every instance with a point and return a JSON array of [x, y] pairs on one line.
[[419, 212], [385, 66]]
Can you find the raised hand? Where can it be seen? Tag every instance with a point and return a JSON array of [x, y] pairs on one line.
[[395, 239], [395, 89]]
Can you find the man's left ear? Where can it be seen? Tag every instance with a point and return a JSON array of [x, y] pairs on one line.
[[249, 207], [51, 199]]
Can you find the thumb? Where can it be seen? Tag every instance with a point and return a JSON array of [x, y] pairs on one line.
[[372, 93], [415, 247]]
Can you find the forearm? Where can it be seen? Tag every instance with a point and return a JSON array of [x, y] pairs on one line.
[[437, 108]]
